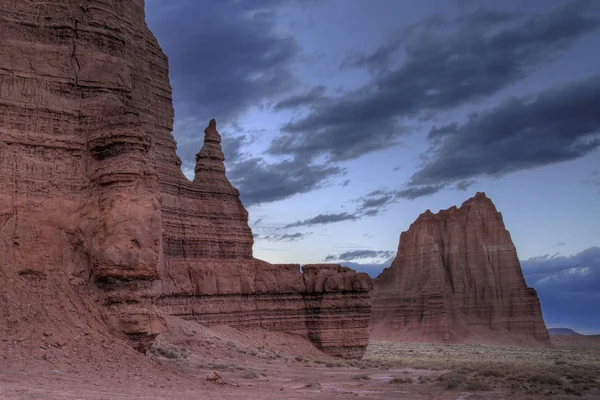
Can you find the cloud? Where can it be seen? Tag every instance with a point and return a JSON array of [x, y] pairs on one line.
[[411, 193], [354, 255], [370, 205], [373, 269], [261, 182], [464, 185], [288, 237], [311, 98], [446, 64], [375, 202], [568, 288], [225, 56], [559, 124], [322, 219]]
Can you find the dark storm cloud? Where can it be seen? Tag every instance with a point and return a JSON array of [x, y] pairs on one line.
[[559, 124], [311, 98], [224, 56], [445, 64], [568, 288], [260, 182], [232, 148], [354, 255]]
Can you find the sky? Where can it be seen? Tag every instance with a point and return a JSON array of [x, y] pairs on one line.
[[343, 120]]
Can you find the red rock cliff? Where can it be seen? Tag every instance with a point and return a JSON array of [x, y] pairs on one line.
[[92, 195], [456, 278]]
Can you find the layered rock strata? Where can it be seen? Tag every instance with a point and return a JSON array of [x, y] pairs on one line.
[[457, 278], [91, 190]]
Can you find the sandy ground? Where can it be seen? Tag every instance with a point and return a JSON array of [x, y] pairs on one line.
[[265, 365]]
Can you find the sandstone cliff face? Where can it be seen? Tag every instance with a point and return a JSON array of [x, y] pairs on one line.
[[93, 200], [456, 278]]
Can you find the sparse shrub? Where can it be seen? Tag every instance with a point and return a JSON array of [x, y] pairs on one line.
[[478, 385], [492, 372], [250, 374], [546, 379], [313, 385], [221, 367], [169, 352], [452, 380], [573, 389], [230, 345], [361, 377], [401, 380], [299, 358]]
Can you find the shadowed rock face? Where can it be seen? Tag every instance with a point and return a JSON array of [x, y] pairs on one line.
[[91, 190], [457, 278]]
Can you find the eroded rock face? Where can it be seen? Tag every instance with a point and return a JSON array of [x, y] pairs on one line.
[[457, 278], [329, 304], [91, 189]]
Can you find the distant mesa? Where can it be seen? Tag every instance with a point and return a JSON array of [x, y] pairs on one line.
[[562, 332], [456, 279]]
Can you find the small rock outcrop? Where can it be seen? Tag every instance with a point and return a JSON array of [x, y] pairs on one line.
[[94, 205], [457, 279]]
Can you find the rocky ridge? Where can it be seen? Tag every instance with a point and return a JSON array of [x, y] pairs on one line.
[[94, 207], [457, 279]]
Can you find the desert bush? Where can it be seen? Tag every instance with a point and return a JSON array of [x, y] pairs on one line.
[[478, 385], [401, 380], [495, 372], [361, 377], [221, 367], [548, 378], [452, 380], [249, 374], [313, 385], [170, 352], [574, 389]]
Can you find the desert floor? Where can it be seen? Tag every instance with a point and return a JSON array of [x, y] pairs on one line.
[[263, 365]]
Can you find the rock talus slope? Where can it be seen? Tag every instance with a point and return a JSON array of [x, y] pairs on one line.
[[457, 278], [94, 207]]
